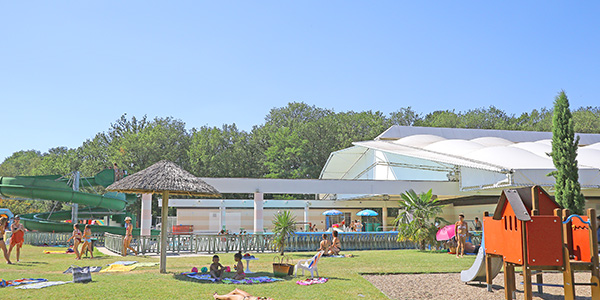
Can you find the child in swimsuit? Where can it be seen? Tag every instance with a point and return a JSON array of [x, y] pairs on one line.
[[216, 269], [238, 294], [461, 228], [128, 237], [76, 237], [87, 241], [239, 267], [17, 237], [3, 224]]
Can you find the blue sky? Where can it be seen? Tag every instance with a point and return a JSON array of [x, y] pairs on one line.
[[70, 68]]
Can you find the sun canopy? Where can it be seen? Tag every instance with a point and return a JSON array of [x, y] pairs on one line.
[[476, 159]]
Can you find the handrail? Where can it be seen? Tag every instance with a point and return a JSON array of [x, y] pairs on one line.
[[578, 217]]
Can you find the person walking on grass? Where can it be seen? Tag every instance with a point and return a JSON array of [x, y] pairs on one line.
[[128, 237], [3, 225], [76, 237], [17, 238], [461, 228], [87, 241]]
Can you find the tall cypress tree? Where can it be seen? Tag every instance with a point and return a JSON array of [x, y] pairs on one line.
[[564, 155]]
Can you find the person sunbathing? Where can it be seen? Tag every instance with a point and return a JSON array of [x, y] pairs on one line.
[[324, 245], [336, 245], [238, 294]]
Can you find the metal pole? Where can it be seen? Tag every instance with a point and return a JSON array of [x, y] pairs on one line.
[[75, 206]]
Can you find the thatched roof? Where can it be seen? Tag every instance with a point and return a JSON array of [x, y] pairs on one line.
[[164, 176]]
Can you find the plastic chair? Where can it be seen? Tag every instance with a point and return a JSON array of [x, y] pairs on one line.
[[309, 265]]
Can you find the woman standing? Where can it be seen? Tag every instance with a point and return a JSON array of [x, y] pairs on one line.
[[3, 224], [128, 237], [462, 229], [87, 241], [76, 237], [17, 238]]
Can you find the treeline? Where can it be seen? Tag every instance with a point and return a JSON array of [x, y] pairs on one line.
[[294, 141]]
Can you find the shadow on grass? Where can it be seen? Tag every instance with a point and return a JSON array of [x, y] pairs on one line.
[[30, 263]]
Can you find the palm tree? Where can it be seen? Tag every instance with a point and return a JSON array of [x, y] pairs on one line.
[[284, 225], [418, 217]]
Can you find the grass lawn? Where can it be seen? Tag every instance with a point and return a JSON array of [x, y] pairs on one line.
[[345, 277]]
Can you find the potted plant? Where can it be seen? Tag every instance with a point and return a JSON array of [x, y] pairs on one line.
[[284, 225]]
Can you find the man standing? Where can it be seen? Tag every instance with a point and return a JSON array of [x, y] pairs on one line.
[[477, 224], [18, 236]]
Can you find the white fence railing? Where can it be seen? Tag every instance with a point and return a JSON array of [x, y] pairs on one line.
[[55, 238], [207, 243]]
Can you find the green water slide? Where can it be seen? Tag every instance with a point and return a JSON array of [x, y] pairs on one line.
[[57, 188]]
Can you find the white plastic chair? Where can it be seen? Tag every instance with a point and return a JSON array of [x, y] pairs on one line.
[[309, 265]]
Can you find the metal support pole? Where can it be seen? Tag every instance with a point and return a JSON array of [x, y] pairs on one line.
[[75, 206]]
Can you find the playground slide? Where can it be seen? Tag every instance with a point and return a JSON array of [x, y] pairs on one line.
[[477, 270], [51, 188]]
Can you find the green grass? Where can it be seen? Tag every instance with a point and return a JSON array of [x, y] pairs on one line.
[[345, 277]]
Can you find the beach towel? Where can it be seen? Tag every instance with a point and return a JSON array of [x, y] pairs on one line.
[[22, 281], [247, 280], [117, 268], [146, 264], [58, 252], [340, 256], [41, 285], [92, 270], [124, 263], [311, 281]]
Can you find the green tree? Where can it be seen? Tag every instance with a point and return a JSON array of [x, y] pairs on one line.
[[21, 163], [587, 120], [58, 161], [440, 118], [223, 152], [284, 225], [417, 218], [564, 155], [404, 117]]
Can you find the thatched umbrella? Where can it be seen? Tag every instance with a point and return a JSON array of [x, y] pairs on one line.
[[167, 178]]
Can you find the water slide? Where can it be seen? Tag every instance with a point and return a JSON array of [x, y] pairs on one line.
[[477, 270], [56, 188]]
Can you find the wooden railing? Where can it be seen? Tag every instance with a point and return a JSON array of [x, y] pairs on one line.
[[206, 243]]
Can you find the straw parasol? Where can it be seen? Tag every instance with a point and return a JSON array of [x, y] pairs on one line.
[[166, 178]]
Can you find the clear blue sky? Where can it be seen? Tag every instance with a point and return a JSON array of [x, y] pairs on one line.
[[70, 68]]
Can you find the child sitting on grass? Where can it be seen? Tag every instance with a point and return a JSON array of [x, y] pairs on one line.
[[239, 267], [216, 269]]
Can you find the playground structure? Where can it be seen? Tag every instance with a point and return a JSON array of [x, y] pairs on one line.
[[64, 189], [530, 230]]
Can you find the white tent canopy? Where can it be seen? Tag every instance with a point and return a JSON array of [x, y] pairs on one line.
[[477, 159]]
